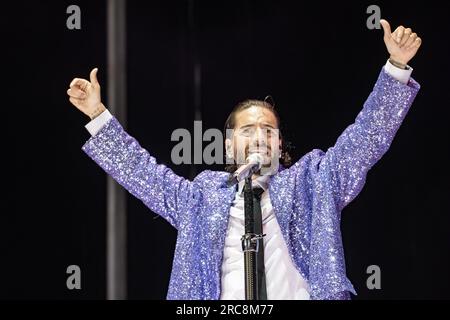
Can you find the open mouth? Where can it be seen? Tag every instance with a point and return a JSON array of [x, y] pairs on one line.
[[259, 150]]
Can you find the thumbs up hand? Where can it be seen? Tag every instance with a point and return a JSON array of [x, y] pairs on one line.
[[85, 95], [402, 44]]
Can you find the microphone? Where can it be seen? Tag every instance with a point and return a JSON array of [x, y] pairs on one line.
[[254, 163]]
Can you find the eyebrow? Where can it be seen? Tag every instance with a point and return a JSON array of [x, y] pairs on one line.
[[252, 125]]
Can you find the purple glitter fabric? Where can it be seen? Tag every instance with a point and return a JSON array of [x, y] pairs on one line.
[[307, 198]]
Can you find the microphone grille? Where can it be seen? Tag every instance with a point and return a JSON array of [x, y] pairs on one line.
[[255, 158]]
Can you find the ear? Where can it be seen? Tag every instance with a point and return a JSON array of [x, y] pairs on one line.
[[280, 148], [229, 148]]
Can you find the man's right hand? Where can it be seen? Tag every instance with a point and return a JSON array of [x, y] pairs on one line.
[[85, 95]]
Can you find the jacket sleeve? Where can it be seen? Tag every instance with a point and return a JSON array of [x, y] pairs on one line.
[[121, 157], [365, 141]]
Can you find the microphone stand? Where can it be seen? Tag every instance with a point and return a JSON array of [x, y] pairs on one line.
[[250, 244]]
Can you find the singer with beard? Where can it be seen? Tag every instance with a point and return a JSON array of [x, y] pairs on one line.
[[300, 203]]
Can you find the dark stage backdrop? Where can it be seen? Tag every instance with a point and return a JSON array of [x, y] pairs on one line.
[[318, 60]]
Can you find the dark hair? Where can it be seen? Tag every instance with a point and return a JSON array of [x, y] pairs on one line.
[[286, 159]]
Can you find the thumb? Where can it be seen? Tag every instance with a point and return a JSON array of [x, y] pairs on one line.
[[386, 27], [93, 77]]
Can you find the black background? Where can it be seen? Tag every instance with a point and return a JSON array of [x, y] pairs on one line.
[[319, 62]]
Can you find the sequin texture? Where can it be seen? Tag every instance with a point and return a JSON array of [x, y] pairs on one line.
[[307, 198]]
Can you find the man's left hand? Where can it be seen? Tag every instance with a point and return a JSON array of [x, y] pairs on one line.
[[402, 44]]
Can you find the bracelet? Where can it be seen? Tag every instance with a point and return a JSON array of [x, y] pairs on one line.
[[96, 112], [398, 64]]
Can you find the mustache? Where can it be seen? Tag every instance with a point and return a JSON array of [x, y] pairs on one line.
[[259, 148]]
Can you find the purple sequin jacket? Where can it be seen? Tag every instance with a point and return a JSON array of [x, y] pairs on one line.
[[307, 198]]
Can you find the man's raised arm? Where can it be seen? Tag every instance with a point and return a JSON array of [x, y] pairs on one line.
[[365, 141], [121, 156]]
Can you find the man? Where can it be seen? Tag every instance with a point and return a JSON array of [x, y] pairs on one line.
[[301, 205]]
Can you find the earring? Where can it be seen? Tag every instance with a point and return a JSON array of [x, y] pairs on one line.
[[229, 154]]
